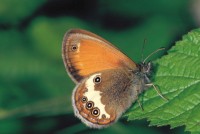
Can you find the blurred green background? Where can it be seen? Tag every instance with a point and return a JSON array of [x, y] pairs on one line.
[[35, 90]]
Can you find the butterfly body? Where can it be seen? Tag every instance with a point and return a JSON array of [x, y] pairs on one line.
[[108, 82]]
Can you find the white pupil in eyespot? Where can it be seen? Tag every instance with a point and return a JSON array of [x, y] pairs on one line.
[[84, 99], [95, 112], [89, 105], [74, 47], [97, 79]]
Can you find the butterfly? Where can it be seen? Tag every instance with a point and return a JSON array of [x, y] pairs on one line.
[[108, 82]]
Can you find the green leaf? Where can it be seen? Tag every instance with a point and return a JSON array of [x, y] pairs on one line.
[[178, 78]]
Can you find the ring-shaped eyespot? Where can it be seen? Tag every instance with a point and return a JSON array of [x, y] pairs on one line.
[[103, 116], [89, 105], [74, 47], [95, 112], [97, 79], [84, 99]]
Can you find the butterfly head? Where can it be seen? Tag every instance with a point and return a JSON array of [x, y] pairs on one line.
[[144, 69]]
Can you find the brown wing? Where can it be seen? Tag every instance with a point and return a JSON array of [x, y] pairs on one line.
[[85, 53], [100, 99]]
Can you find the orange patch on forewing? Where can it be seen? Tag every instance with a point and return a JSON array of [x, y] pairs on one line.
[[93, 56]]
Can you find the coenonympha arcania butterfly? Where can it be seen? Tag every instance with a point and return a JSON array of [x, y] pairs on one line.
[[108, 82]]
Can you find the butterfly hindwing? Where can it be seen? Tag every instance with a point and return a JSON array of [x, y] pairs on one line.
[[99, 102]]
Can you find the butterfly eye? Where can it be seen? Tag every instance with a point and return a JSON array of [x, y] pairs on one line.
[[74, 47], [97, 79], [84, 99], [95, 111], [89, 105]]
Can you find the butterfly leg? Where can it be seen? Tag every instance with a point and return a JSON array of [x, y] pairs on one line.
[[138, 100], [155, 88], [140, 104]]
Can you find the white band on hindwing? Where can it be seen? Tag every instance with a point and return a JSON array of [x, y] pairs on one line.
[[93, 95]]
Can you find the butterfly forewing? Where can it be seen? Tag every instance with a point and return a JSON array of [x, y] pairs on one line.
[[85, 53]]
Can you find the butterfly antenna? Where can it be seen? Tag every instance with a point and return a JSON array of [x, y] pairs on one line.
[[142, 51], [153, 54]]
